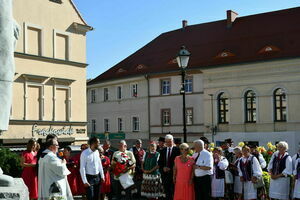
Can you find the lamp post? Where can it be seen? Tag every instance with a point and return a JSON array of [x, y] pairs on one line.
[[182, 61]]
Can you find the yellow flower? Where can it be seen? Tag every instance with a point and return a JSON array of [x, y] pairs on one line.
[[263, 149], [212, 145], [270, 145], [211, 149], [241, 144]]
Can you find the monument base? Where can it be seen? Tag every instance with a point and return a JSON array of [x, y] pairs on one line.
[[18, 191]]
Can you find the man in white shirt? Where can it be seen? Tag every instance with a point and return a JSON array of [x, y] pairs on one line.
[[91, 169], [203, 171]]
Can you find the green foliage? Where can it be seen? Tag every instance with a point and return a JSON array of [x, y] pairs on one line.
[[10, 162], [266, 176]]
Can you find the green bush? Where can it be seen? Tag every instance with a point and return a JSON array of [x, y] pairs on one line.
[[10, 162]]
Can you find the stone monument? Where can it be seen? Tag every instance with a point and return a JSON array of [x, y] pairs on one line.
[[9, 33]]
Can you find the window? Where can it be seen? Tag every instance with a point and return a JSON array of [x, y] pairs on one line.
[[280, 105], [250, 106], [188, 85], [93, 125], [33, 39], [119, 92], [93, 96], [134, 90], [165, 87], [120, 124], [223, 108], [135, 124], [106, 125], [105, 94], [61, 45], [56, 1], [189, 116], [166, 117]]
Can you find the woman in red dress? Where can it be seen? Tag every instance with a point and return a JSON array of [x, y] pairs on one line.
[[72, 178], [29, 175], [105, 186]]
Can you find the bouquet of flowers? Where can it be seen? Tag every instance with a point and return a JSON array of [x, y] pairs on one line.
[[123, 162], [267, 153]]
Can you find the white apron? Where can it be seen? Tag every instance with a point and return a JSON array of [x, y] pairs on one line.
[[238, 185], [280, 188]]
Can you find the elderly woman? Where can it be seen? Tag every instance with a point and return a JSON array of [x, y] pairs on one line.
[[183, 175], [238, 189], [280, 167], [249, 171], [29, 175], [152, 187], [218, 178]]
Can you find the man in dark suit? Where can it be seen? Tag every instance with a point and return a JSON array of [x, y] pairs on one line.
[[166, 164]]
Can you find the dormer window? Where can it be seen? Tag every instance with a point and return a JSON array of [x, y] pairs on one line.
[[269, 49], [225, 54], [140, 67], [121, 70]]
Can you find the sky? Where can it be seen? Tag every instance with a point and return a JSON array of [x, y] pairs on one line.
[[124, 26]]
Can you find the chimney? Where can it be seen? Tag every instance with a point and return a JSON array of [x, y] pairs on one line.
[[231, 16], [184, 23]]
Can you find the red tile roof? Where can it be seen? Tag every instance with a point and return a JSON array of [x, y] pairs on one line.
[[213, 44]]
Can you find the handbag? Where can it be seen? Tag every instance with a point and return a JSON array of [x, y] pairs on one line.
[[126, 180], [260, 181], [228, 177]]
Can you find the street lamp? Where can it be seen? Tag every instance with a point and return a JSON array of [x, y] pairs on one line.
[[182, 61]]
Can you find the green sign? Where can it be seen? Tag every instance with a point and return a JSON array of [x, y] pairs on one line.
[[111, 136]]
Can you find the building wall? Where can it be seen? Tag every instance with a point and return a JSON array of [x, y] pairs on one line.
[[50, 81], [263, 78]]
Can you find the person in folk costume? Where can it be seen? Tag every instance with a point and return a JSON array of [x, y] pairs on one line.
[[105, 185], [118, 159], [258, 155], [296, 173], [152, 187], [295, 157], [203, 169], [229, 155], [138, 153], [53, 174], [29, 175], [249, 171], [218, 178], [280, 168], [238, 185], [72, 167], [183, 173], [166, 164]]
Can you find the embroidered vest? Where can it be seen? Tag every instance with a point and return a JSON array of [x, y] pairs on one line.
[[279, 164], [298, 170], [151, 161], [220, 174], [246, 169]]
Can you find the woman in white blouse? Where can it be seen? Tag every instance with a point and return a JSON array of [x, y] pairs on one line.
[[249, 170], [280, 168]]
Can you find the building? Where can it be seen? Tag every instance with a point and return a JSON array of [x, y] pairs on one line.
[[50, 81], [249, 59]]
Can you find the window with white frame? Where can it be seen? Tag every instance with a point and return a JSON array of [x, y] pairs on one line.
[[165, 86], [135, 124], [166, 117], [134, 90], [188, 85], [93, 96], [93, 125], [105, 94], [119, 92], [189, 116], [120, 125], [106, 125]]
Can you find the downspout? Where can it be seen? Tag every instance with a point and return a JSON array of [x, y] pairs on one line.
[[148, 99]]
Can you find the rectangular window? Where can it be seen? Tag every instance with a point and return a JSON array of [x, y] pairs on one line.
[[93, 125], [93, 96], [134, 90], [166, 117], [61, 46], [189, 116], [106, 125], [135, 124], [188, 85], [105, 94], [34, 41], [119, 92], [120, 124], [165, 87]]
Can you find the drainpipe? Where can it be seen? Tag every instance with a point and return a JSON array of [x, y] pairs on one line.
[[148, 98]]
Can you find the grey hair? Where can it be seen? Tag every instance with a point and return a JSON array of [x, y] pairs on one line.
[[169, 137], [123, 142], [199, 142], [283, 144]]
